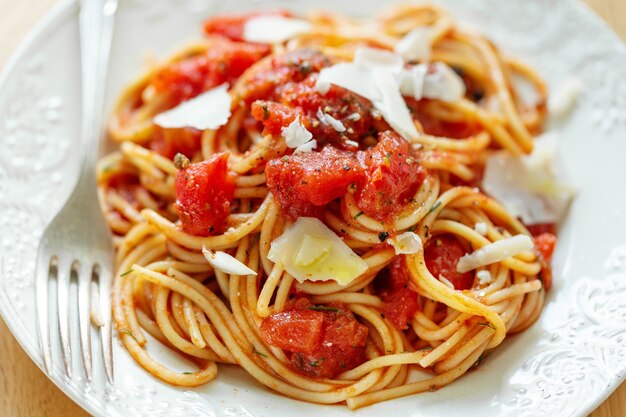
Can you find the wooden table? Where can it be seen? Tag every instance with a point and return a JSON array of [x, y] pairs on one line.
[[25, 391]]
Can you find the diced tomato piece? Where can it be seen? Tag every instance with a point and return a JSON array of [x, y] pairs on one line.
[[538, 229], [397, 277], [274, 116], [321, 351], [393, 285], [204, 192], [169, 142], [400, 307], [278, 71], [353, 111], [303, 182], [442, 253], [544, 245], [394, 176], [294, 330], [231, 26], [224, 61]]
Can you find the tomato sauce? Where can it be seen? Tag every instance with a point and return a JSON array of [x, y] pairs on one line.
[[321, 341], [442, 253], [204, 192]]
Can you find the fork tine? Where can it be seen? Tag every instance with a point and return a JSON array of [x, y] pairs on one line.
[[84, 280], [44, 267], [104, 294], [63, 292]]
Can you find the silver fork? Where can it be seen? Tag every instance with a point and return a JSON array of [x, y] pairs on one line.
[[77, 243]]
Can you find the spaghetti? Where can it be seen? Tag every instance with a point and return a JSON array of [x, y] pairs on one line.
[[169, 193]]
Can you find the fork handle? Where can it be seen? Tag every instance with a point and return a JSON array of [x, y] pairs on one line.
[[96, 22]]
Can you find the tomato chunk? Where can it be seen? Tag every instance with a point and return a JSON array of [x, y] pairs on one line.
[[274, 116], [294, 330], [442, 253], [544, 245], [224, 61], [231, 26], [303, 182], [277, 72], [400, 300], [352, 111], [317, 350], [393, 176], [204, 192]]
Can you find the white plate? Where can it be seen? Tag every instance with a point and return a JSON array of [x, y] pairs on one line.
[[565, 365]]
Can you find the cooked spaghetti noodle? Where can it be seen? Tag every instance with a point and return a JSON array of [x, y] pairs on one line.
[[406, 313]]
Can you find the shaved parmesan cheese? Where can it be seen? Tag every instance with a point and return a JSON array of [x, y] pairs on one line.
[[435, 81], [208, 110], [563, 99], [484, 277], [306, 147], [373, 75], [415, 46], [406, 243], [310, 251], [392, 105], [273, 28], [349, 76], [329, 120], [494, 252], [378, 60], [442, 83], [412, 81], [226, 263], [481, 227], [530, 186], [296, 134], [313, 249]]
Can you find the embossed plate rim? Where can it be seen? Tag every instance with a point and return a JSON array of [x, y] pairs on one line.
[[100, 406]]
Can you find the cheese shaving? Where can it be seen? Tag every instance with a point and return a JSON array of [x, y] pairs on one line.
[[310, 251], [392, 105], [208, 110], [484, 277], [296, 134], [415, 45], [226, 263], [481, 227], [442, 83], [273, 29], [530, 187], [563, 99], [349, 76], [406, 243], [328, 120], [494, 252], [378, 60], [306, 147]]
